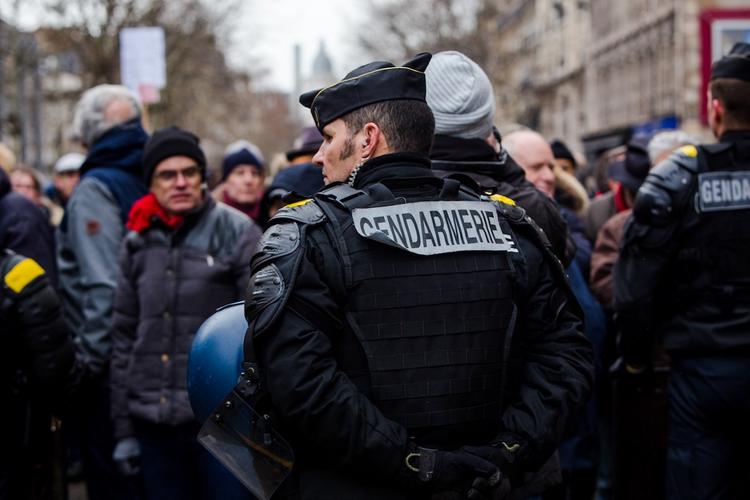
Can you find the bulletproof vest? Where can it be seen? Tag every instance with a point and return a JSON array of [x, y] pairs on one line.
[[433, 326], [712, 261]]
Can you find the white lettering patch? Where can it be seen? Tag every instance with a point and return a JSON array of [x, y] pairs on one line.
[[718, 191], [435, 227]]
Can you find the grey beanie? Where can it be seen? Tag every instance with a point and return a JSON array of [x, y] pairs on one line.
[[460, 96]]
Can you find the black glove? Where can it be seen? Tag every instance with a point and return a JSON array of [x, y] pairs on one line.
[[450, 470], [503, 452]]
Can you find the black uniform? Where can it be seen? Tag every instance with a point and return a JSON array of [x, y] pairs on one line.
[[683, 277], [475, 161], [366, 346], [38, 367]]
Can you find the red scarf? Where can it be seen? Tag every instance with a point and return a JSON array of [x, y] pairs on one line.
[[146, 210], [620, 203], [252, 210]]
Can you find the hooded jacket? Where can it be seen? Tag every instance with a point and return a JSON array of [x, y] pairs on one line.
[[473, 161], [90, 234]]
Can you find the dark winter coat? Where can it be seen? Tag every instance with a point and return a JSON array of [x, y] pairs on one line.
[[170, 282], [25, 229], [475, 161]]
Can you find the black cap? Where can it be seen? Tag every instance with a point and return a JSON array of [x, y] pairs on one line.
[[560, 150], [632, 171], [734, 65], [168, 142], [374, 82], [307, 142]]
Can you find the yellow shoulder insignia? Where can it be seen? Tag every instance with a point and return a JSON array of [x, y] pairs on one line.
[[299, 203], [689, 150], [503, 199], [22, 274]]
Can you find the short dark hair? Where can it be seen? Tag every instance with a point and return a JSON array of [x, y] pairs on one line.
[[734, 94], [408, 125]]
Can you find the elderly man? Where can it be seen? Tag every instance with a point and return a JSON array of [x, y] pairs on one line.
[[107, 122], [461, 97], [185, 256], [382, 311]]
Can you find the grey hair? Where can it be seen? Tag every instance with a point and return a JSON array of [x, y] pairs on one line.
[[668, 140], [90, 122]]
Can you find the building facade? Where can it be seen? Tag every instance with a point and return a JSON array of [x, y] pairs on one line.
[[595, 73]]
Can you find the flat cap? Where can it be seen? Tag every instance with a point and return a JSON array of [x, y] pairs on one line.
[[735, 65], [374, 82]]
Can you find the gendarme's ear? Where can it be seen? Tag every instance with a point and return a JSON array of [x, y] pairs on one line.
[[420, 62]]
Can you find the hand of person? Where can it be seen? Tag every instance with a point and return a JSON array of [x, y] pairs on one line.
[[502, 453], [127, 456], [451, 471]]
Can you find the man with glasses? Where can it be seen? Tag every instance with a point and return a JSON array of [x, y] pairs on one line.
[[185, 256]]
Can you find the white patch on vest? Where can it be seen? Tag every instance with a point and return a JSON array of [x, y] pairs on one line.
[[720, 191], [435, 227]]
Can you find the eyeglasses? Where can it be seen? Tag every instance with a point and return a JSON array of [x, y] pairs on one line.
[[188, 173]]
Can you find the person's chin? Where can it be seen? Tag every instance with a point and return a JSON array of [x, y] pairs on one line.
[[181, 206]]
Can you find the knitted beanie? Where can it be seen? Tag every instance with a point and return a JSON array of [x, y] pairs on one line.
[[460, 95], [168, 142], [241, 153]]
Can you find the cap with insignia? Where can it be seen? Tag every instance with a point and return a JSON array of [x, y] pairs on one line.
[[374, 82], [734, 65]]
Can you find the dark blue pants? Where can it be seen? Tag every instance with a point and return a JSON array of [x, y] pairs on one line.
[[93, 426], [175, 466], [709, 435]]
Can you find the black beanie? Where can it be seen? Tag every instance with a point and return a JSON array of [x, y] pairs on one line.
[[168, 142]]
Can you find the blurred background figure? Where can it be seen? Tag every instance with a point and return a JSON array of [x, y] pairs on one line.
[[39, 371], [564, 157], [7, 158], [298, 180], [25, 230], [468, 148], [305, 146], [66, 175], [26, 182], [243, 174], [293, 183], [579, 452], [107, 122]]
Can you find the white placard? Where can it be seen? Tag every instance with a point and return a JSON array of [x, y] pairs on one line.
[[142, 59]]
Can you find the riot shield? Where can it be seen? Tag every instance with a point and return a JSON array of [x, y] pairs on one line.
[[244, 442]]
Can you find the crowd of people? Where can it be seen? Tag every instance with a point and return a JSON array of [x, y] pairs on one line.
[[110, 269]]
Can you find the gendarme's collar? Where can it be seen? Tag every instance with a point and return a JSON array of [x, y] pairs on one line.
[[374, 82], [735, 65]]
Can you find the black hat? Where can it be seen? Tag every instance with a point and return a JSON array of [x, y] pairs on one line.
[[168, 142], [560, 150], [305, 180], [374, 82], [735, 65], [632, 171], [307, 142]]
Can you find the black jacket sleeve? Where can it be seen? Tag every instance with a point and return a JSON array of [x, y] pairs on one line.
[[638, 273], [555, 370], [308, 391], [38, 313]]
